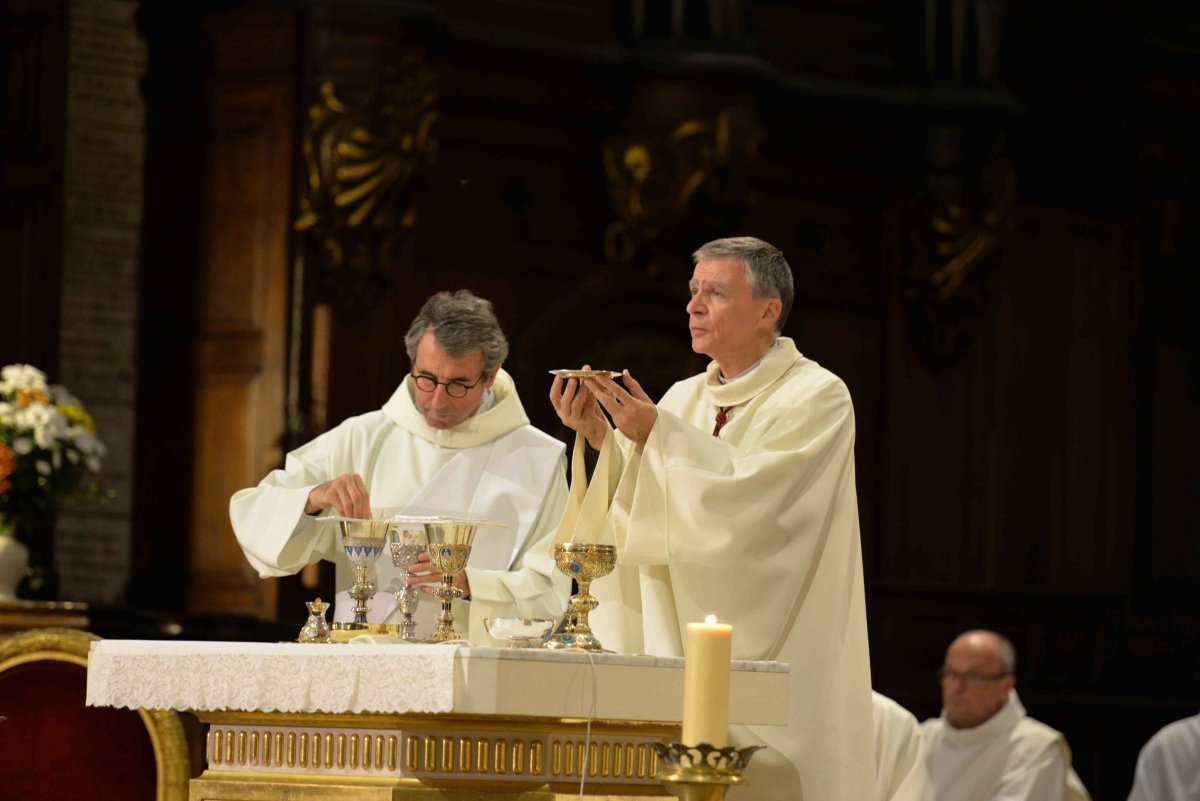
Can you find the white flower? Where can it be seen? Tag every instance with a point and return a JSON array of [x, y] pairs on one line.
[[63, 397], [45, 422], [16, 377], [52, 448], [87, 444]]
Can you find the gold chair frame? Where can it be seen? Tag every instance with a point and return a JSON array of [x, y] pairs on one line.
[[164, 727]]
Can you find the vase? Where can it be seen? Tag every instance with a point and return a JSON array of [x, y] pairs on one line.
[[14, 561]]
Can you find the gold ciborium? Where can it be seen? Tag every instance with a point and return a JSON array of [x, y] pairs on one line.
[[449, 548], [407, 541], [362, 541], [584, 563]]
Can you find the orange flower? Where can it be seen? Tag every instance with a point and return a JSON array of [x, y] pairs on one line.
[[8, 465], [25, 397]]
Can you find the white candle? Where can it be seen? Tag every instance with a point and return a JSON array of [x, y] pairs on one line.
[[706, 683]]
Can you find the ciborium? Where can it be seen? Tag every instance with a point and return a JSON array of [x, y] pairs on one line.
[[449, 548], [407, 541], [362, 541], [584, 563], [701, 772]]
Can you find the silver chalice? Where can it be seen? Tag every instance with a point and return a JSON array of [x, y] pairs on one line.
[[407, 541]]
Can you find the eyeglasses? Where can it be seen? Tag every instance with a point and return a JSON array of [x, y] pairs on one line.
[[970, 679], [455, 389]]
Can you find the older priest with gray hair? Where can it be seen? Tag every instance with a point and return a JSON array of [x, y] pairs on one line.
[[735, 496], [453, 439]]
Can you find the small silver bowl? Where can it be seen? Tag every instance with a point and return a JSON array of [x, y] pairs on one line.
[[519, 632]]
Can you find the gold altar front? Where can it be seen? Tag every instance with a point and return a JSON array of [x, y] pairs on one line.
[[517, 725]]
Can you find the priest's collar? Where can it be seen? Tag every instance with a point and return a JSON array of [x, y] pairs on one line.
[[778, 359], [721, 376], [488, 401], [997, 725]]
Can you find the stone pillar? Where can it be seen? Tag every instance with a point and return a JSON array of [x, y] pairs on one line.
[[101, 264]]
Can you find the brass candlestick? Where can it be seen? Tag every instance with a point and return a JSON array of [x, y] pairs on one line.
[[584, 563], [701, 772]]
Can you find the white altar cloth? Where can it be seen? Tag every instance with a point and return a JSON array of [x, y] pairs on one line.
[[271, 677], [397, 679]]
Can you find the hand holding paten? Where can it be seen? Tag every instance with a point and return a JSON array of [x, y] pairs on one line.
[[632, 411], [577, 408]]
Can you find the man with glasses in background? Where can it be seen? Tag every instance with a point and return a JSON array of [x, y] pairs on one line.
[[984, 747], [453, 439]]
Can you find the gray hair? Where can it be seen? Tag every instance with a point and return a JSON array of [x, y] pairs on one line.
[[462, 323], [766, 269]]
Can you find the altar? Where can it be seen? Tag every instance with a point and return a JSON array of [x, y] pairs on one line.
[[386, 721]]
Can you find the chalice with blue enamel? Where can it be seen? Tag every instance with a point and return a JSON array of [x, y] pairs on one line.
[[583, 562], [363, 542]]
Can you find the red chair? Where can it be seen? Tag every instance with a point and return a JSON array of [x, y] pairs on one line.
[[52, 746]]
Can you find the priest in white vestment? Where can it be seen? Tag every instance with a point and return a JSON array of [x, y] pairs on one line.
[[900, 770], [984, 747], [1168, 766], [453, 439], [735, 496]]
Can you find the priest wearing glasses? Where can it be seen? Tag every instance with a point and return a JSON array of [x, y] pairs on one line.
[[735, 496], [453, 439], [984, 747]]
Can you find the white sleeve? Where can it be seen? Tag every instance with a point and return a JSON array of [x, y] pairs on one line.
[[275, 534]]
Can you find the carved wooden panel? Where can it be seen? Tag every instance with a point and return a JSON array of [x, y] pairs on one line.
[[242, 331]]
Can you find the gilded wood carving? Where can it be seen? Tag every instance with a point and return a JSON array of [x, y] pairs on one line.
[[365, 150]]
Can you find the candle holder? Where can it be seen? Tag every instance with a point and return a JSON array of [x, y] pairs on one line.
[[701, 772]]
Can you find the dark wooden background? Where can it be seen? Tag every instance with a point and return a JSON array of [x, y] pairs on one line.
[[1025, 448]]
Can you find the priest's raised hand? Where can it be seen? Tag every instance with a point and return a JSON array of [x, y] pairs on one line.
[[347, 495]]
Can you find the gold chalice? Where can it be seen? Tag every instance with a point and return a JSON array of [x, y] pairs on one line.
[[407, 541], [362, 541], [584, 563], [449, 548]]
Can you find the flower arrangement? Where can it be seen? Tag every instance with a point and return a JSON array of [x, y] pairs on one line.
[[48, 445]]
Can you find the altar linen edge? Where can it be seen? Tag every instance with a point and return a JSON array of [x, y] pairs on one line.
[[271, 677]]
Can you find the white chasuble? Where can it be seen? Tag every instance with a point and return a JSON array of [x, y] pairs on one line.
[[899, 753], [493, 465], [1008, 757], [1168, 765], [758, 526]]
